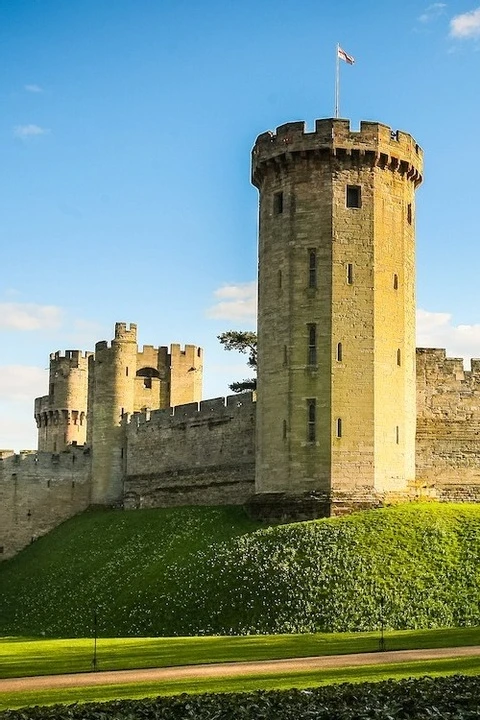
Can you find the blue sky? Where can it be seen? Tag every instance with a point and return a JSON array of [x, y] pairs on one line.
[[125, 137]]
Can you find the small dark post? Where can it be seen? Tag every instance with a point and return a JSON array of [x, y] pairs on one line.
[[94, 660], [381, 644]]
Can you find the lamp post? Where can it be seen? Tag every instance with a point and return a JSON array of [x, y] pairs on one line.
[[381, 644], [94, 659]]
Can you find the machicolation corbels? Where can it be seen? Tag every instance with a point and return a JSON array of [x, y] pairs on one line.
[[374, 143]]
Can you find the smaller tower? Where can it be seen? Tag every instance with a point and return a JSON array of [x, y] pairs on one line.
[[124, 380], [61, 415], [111, 394]]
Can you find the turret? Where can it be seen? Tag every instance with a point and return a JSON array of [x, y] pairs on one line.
[[61, 415]]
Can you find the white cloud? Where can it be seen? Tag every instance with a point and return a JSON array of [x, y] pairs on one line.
[[33, 88], [436, 329], [466, 25], [25, 131], [22, 382], [235, 302], [19, 385], [432, 12], [29, 316]]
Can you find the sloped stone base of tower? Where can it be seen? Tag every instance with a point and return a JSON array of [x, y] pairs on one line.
[[284, 507]]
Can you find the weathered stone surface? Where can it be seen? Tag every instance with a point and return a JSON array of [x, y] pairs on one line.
[[448, 424], [38, 491], [345, 267], [195, 456]]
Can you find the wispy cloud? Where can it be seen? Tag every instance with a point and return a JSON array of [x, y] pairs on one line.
[[466, 25], [235, 302], [26, 131], [436, 329], [22, 382], [29, 316], [432, 12], [33, 88]]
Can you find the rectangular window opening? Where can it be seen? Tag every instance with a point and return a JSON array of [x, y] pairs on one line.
[[397, 434], [312, 344], [339, 352], [349, 273], [278, 203], [409, 213], [312, 268], [339, 428], [311, 419], [354, 196]]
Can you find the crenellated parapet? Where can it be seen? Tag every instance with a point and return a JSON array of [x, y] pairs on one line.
[[34, 463], [445, 389], [448, 423], [193, 454], [374, 144], [195, 412], [70, 358], [38, 491]]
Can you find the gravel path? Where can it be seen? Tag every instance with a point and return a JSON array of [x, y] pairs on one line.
[[235, 669]]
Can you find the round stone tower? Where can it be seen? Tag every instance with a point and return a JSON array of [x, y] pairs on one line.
[[61, 415], [336, 310], [111, 394]]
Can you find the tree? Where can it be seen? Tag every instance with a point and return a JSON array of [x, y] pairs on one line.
[[245, 342]]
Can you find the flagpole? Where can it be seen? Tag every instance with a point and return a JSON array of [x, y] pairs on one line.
[[337, 82]]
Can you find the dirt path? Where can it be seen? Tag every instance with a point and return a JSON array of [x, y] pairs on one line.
[[236, 669]]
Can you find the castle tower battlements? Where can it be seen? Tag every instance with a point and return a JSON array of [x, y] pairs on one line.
[[61, 415], [125, 380], [336, 310], [374, 142]]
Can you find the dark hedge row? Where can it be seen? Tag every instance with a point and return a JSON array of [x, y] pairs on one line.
[[456, 697]]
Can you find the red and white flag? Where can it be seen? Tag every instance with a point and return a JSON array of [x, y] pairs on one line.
[[344, 56]]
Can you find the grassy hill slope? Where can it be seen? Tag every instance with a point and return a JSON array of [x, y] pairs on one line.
[[211, 570]]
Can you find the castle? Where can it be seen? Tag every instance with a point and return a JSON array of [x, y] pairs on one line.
[[348, 414]]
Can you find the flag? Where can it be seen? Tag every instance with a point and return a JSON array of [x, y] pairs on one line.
[[344, 56]]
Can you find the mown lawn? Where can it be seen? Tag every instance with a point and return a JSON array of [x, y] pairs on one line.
[[28, 657], [464, 666]]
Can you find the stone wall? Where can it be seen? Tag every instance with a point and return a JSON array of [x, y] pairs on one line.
[[194, 454], [38, 491], [448, 425]]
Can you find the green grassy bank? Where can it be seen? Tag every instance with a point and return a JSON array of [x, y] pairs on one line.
[[188, 571]]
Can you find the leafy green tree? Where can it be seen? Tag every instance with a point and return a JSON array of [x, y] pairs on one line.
[[245, 342]]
